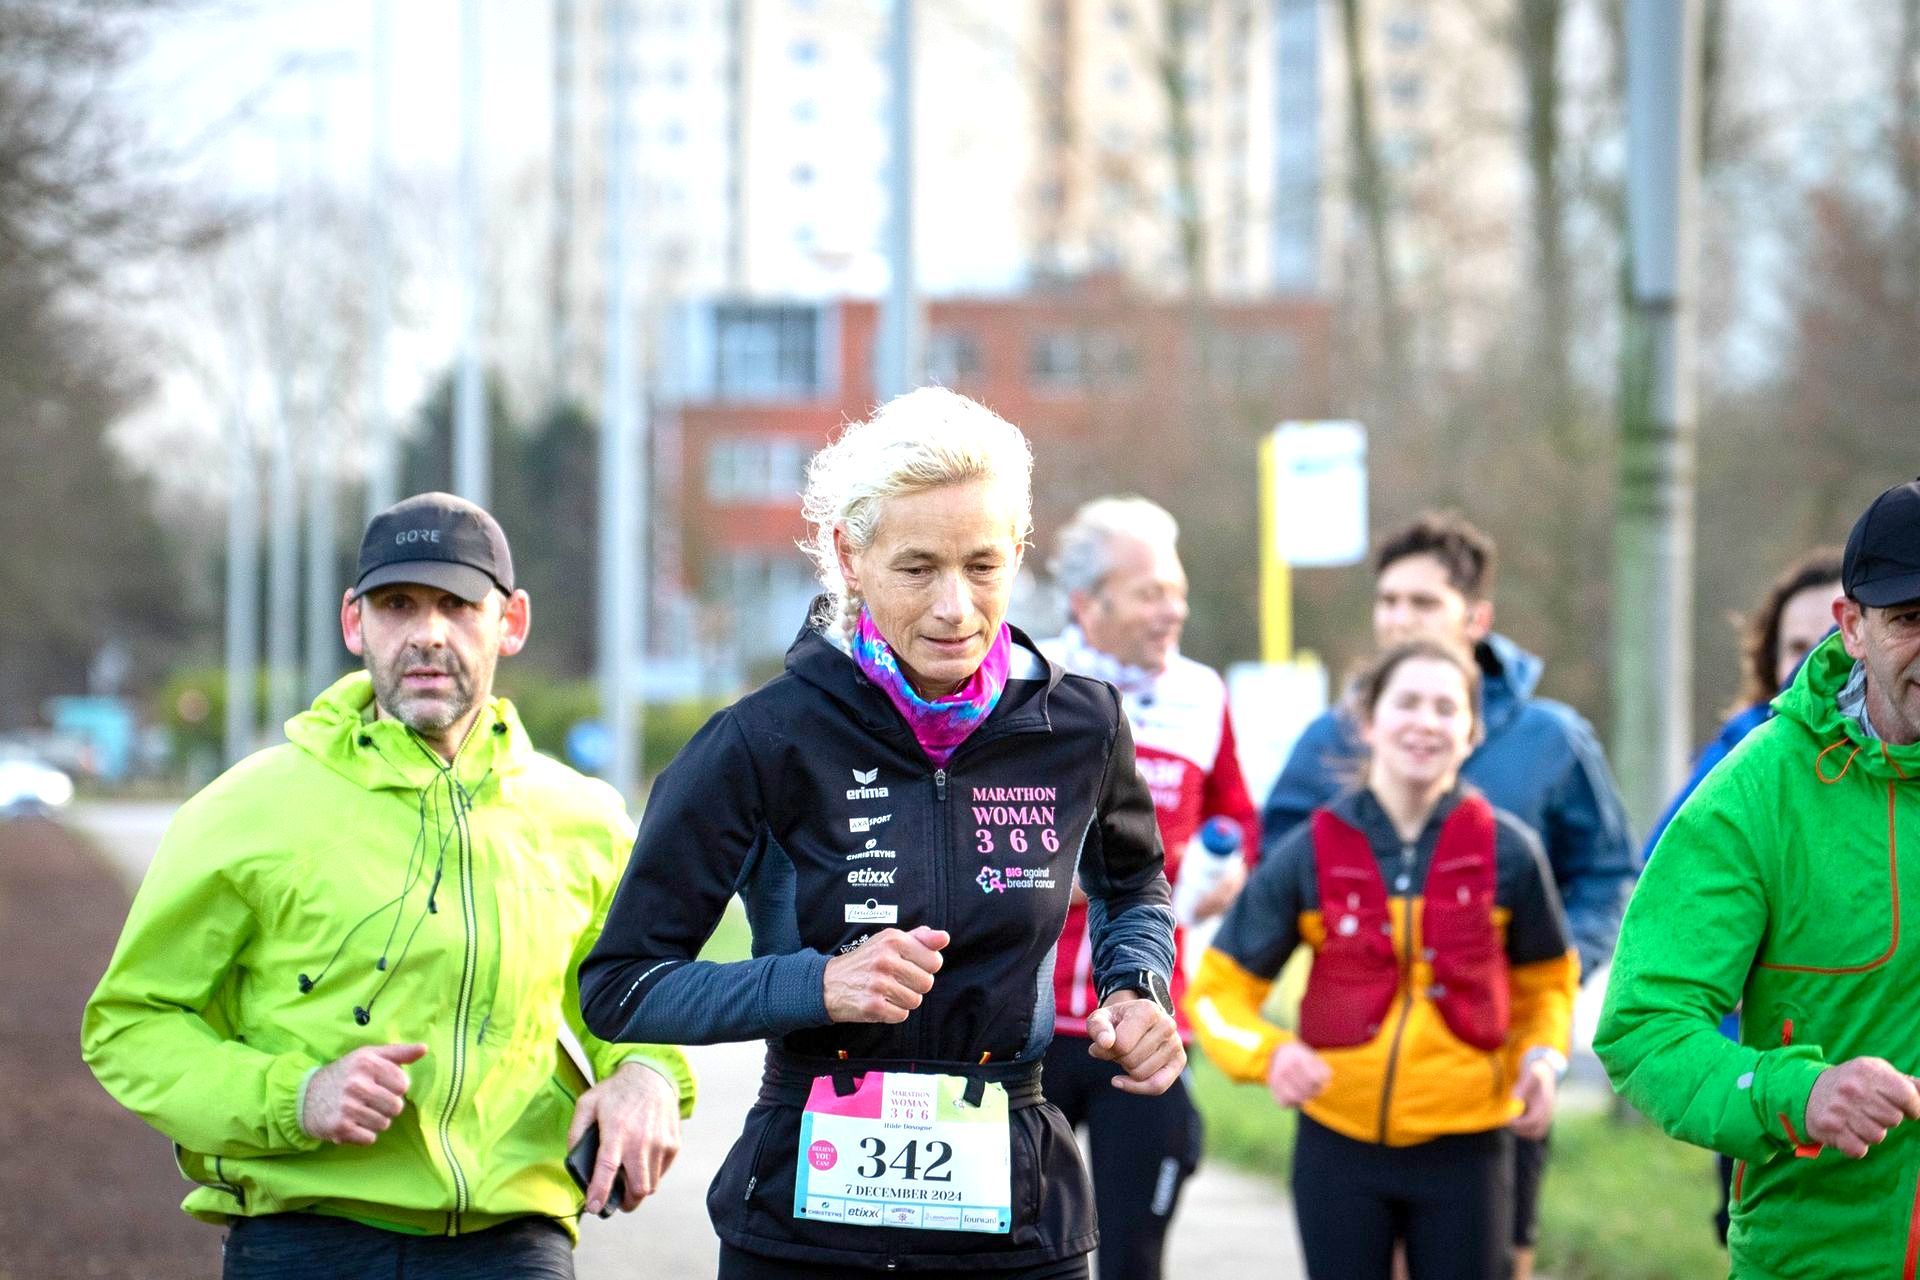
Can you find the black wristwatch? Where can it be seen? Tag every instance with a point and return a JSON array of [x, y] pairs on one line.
[[1149, 984]]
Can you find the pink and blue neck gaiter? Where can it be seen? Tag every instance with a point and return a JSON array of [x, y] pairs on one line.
[[942, 724]]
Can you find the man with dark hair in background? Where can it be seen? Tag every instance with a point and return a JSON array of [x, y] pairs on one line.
[[1539, 760]]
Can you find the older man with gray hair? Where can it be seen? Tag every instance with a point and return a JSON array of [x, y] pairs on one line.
[[1118, 563]]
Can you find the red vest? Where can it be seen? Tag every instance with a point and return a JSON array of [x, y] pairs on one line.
[[1357, 973]]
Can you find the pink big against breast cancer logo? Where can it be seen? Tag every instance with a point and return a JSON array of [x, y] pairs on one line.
[[822, 1155]]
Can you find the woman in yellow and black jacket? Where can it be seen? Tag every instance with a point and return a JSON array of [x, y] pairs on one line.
[[1439, 1005]]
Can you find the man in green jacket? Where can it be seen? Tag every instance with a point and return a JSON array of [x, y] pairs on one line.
[[1780, 883], [342, 987]]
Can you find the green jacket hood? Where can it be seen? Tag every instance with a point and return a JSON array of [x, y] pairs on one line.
[[342, 731], [1812, 702]]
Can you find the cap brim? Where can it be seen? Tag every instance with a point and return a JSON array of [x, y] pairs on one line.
[[1883, 593], [462, 580]]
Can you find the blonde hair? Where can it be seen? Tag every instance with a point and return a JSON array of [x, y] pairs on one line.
[[922, 440]]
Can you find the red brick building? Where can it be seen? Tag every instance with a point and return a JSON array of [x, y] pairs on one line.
[[1114, 391]]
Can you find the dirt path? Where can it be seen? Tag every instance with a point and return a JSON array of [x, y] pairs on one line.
[[85, 1188]]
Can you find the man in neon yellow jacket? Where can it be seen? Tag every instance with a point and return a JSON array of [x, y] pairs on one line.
[[1782, 881], [343, 983]]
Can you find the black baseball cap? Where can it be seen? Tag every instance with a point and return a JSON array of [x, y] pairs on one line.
[[1882, 564], [438, 540]]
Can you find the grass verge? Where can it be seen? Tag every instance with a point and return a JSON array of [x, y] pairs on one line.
[[1622, 1201], [731, 939]]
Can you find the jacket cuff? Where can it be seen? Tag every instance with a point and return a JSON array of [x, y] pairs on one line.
[[1782, 1081], [796, 992], [287, 1081], [670, 1063]]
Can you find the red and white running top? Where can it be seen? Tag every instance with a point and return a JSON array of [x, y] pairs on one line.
[[1183, 745]]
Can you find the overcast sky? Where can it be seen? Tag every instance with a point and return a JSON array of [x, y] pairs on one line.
[[231, 88], [218, 73]]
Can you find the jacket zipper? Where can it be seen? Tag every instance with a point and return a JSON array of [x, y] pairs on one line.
[[937, 885], [942, 873], [462, 1010], [1406, 985], [753, 1170]]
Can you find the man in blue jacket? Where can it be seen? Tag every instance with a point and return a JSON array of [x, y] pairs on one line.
[[1539, 760]]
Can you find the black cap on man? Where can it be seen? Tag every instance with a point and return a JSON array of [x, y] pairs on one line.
[[1882, 564], [439, 540]]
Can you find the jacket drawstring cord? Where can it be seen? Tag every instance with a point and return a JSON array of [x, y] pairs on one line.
[[415, 863], [363, 1014], [416, 866], [1845, 765], [458, 798]]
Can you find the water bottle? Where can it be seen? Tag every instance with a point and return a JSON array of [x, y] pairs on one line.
[[1219, 844]]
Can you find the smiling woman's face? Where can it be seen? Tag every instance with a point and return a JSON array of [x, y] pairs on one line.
[[1421, 729], [937, 579]]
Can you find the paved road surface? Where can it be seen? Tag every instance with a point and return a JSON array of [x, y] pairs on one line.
[[1229, 1223]]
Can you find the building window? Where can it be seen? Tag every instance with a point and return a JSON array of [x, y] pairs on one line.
[[804, 52], [766, 591], [953, 357], [1407, 31], [766, 351], [1053, 362], [1062, 362], [755, 469], [1405, 90], [802, 175], [1251, 362]]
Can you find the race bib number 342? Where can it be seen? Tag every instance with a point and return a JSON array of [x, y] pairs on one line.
[[905, 1150]]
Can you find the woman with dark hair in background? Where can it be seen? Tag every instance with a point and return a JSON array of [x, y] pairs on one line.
[[1438, 1009], [1793, 617]]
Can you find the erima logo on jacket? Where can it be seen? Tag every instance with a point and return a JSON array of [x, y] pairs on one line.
[[866, 791]]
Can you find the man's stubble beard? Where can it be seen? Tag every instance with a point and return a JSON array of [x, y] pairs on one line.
[[427, 716]]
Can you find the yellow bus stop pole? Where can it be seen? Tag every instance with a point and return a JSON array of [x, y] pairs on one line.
[[1276, 578]]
